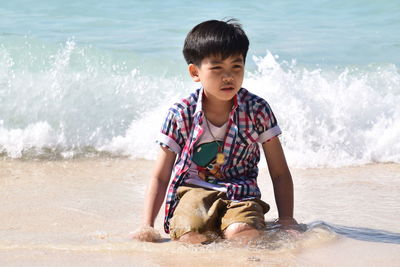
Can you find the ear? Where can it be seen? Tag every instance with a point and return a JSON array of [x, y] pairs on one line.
[[194, 72]]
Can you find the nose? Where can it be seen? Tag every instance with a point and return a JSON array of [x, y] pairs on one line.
[[227, 77]]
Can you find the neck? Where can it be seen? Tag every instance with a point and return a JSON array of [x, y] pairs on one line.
[[217, 111]]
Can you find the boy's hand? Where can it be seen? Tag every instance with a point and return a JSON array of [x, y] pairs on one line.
[[146, 234], [290, 226], [287, 223]]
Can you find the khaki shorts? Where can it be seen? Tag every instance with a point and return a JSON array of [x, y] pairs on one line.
[[207, 211]]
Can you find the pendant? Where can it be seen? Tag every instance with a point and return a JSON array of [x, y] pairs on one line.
[[220, 158]]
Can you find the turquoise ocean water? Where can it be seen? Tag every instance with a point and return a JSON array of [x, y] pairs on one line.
[[91, 78]]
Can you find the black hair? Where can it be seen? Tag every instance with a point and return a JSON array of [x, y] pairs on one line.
[[214, 37]]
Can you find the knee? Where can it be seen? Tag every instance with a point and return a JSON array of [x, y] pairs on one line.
[[240, 229], [188, 226]]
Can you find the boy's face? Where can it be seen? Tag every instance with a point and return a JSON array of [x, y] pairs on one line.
[[220, 78]]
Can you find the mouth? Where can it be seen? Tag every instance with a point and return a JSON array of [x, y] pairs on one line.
[[227, 88]]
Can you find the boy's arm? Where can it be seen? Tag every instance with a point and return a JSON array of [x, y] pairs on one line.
[[155, 194], [281, 180]]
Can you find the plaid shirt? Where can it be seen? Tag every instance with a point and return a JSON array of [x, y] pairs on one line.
[[251, 121]]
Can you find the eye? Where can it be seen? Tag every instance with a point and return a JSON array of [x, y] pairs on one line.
[[216, 68], [237, 66]]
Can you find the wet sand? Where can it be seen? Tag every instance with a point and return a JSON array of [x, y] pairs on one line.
[[79, 212]]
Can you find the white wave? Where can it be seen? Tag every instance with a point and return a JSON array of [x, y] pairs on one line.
[[139, 139], [38, 135], [330, 117], [84, 96]]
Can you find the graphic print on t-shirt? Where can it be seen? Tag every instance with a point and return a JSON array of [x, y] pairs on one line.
[[204, 157]]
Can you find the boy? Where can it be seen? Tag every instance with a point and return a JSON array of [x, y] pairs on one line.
[[210, 140]]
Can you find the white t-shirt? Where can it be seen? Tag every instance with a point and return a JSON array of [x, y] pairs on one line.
[[204, 170]]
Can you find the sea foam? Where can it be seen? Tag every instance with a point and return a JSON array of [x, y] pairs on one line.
[[82, 103], [332, 117]]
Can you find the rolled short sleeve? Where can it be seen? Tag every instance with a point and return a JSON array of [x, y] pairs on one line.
[[266, 124], [170, 135]]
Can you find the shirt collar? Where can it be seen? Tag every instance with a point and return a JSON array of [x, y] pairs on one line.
[[237, 101], [199, 106]]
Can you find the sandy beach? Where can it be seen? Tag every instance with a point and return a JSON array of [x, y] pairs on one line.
[[79, 212]]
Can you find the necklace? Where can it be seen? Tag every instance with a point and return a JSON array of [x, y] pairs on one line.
[[220, 155]]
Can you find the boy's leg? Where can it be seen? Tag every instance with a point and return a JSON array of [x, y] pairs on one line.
[[244, 220], [193, 238], [195, 218]]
